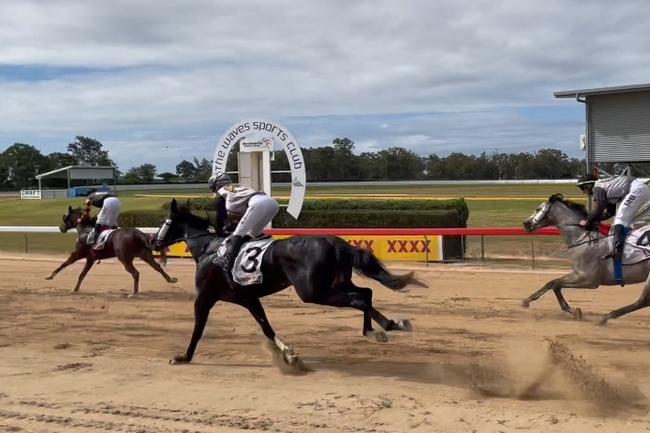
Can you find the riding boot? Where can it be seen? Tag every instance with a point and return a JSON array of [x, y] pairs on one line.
[[94, 233], [233, 244], [619, 243]]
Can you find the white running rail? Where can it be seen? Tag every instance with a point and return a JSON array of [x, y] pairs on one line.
[[54, 229]]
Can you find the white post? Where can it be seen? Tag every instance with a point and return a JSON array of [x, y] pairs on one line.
[[266, 172]]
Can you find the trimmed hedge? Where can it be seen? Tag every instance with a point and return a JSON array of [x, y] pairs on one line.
[[350, 218], [142, 218], [339, 213]]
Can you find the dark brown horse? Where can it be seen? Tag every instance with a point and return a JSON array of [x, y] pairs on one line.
[[125, 244]]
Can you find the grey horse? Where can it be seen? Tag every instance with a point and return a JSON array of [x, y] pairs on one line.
[[586, 248]]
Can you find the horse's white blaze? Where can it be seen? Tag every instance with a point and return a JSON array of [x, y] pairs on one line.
[[540, 214], [164, 229]]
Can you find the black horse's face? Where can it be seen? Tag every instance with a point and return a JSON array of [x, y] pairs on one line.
[[70, 220], [170, 231]]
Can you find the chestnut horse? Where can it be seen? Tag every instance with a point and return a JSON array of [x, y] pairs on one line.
[[124, 244]]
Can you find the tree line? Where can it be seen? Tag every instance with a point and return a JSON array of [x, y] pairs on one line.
[[20, 163]]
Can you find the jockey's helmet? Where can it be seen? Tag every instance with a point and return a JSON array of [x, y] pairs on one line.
[[218, 181], [586, 180]]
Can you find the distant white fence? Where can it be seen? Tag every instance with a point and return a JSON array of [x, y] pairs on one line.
[[203, 186]]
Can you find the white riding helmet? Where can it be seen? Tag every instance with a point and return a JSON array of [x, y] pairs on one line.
[[218, 181]]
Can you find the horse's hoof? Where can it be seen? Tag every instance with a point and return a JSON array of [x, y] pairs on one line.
[[49, 277], [525, 303], [133, 295], [74, 291], [173, 280], [603, 321], [180, 359], [290, 358], [577, 313], [379, 336], [404, 325]]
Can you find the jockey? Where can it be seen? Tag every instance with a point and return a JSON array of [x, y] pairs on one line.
[[108, 215], [626, 193], [256, 209]]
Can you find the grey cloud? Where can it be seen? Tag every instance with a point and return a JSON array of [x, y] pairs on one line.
[[177, 65]]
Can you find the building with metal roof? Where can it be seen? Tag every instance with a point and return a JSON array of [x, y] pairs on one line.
[[617, 122], [72, 173]]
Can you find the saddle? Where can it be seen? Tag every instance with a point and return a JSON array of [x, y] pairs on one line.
[[103, 237], [636, 249], [213, 246]]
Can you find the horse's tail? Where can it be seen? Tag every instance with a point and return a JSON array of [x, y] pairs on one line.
[[368, 265]]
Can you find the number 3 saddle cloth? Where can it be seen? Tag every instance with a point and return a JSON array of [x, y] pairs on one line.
[[247, 269]]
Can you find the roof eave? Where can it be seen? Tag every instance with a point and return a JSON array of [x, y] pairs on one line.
[[70, 167], [602, 91]]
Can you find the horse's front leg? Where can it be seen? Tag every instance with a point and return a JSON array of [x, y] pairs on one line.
[[202, 305], [89, 264], [74, 256], [571, 280]]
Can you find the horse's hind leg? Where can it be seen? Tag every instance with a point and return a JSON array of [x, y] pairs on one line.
[[202, 305], [383, 321], [151, 261], [358, 298], [89, 264], [257, 311], [642, 302], [389, 324]]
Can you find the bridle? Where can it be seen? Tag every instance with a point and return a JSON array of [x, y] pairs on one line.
[[543, 212], [164, 229]]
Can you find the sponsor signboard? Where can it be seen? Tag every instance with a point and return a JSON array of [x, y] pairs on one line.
[[398, 248], [30, 194], [264, 144]]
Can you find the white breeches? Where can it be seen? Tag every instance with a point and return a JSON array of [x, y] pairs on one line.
[[110, 212], [638, 196], [260, 212]]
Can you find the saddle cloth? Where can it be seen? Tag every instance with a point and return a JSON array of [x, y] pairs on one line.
[[103, 237], [637, 246], [247, 269]]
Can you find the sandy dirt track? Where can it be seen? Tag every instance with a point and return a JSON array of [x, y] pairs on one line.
[[97, 361]]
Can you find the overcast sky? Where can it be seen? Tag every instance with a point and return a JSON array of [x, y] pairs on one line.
[[160, 81]]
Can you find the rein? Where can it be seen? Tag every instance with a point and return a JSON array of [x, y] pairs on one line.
[[591, 239], [542, 213], [187, 238]]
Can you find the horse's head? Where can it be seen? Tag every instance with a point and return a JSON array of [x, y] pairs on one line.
[[556, 211], [71, 219], [177, 226]]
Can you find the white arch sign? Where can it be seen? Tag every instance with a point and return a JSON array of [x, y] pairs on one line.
[[279, 134]]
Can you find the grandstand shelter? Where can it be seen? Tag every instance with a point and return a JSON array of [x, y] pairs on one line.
[[617, 123], [76, 179]]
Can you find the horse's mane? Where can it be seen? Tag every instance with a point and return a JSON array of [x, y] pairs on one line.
[[86, 220], [194, 220], [570, 204]]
